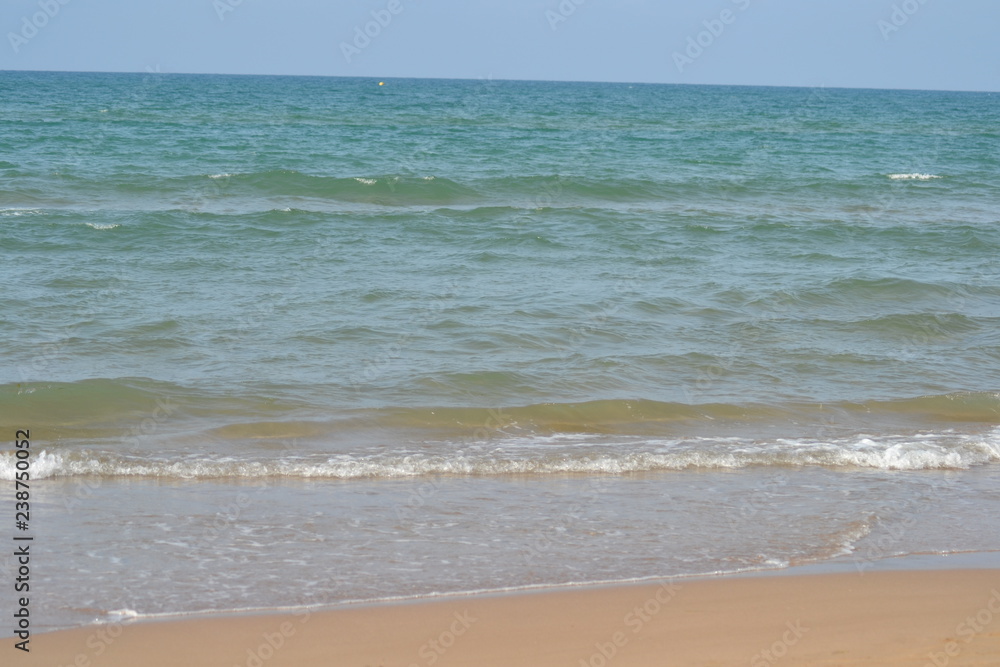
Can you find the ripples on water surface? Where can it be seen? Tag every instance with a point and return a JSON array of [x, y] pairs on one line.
[[305, 340]]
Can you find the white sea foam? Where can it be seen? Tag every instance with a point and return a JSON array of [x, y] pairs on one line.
[[367, 181], [520, 458], [119, 615], [220, 175], [913, 177], [41, 465], [851, 536], [96, 225], [17, 212]]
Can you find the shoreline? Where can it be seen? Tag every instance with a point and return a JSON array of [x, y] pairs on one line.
[[845, 564], [876, 617]]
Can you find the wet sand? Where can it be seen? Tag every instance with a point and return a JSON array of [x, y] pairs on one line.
[[920, 618]]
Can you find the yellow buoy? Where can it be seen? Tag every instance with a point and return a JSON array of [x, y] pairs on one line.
[[381, 83]]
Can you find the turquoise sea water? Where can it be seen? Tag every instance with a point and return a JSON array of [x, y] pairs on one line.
[[289, 340]]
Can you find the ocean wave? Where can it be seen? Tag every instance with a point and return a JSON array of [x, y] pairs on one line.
[[646, 416], [913, 177], [17, 212], [75, 408], [849, 290], [541, 456], [914, 327], [386, 189], [524, 190]]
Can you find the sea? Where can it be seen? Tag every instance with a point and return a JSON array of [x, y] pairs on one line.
[[284, 342]]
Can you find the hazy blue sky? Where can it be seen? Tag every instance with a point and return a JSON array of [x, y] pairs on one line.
[[936, 44]]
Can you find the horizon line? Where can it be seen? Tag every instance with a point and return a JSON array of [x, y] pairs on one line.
[[490, 78]]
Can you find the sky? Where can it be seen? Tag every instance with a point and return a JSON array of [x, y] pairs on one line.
[[919, 44]]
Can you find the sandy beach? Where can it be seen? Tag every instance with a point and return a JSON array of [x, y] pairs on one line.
[[880, 618]]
